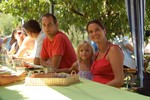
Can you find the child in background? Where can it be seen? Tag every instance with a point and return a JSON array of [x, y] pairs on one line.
[[85, 54]]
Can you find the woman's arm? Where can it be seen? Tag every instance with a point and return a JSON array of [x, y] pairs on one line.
[[13, 49], [115, 56], [23, 48], [4, 80]]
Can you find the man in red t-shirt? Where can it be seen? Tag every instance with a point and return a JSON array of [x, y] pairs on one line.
[[57, 50]]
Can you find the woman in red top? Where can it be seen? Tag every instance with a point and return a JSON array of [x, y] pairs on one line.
[[108, 65]]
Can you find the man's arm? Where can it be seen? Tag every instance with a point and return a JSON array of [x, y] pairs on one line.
[[54, 62], [44, 62]]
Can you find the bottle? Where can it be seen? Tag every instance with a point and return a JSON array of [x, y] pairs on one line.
[[3, 54], [2, 57]]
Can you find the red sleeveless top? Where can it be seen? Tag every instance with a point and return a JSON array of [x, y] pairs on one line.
[[102, 70]]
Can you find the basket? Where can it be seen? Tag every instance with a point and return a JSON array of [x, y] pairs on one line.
[[54, 81]]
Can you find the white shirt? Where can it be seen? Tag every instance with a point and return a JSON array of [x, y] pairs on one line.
[[128, 60], [147, 48], [38, 44]]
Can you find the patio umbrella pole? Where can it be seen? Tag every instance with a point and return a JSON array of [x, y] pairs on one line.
[[135, 12]]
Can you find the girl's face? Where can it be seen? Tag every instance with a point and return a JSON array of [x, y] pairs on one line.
[[96, 33], [85, 52]]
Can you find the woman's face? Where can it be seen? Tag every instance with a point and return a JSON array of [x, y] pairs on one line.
[[19, 35], [96, 33]]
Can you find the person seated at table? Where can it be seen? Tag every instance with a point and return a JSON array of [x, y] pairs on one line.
[[8, 79], [127, 48], [19, 35], [85, 55], [33, 30], [26, 48], [108, 65], [8, 41], [57, 50]]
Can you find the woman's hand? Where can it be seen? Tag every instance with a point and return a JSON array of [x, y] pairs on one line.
[[21, 76]]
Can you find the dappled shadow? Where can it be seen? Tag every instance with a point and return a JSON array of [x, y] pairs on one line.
[[9, 93]]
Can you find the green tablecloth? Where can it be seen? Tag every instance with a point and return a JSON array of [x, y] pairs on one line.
[[85, 90]]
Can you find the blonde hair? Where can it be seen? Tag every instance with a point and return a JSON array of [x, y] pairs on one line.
[[80, 45]]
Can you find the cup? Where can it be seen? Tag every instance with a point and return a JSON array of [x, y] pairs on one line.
[[17, 63], [20, 70], [50, 69]]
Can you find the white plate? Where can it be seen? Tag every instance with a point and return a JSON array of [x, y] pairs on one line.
[[2, 71]]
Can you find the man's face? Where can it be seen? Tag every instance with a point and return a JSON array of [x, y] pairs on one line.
[[49, 27]]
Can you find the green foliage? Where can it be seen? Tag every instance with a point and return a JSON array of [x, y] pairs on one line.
[[6, 24], [73, 15], [25, 9], [79, 12], [76, 35]]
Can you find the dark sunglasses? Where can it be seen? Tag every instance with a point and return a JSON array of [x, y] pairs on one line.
[[19, 33]]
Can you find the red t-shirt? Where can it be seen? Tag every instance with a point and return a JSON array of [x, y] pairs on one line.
[[60, 45]]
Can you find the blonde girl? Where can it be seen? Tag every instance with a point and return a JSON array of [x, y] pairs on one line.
[[85, 55]]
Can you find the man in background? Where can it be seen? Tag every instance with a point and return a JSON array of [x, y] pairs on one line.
[[33, 30]]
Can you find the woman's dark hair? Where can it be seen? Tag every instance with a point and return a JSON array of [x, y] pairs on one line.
[[50, 15], [96, 22], [32, 26], [12, 34]]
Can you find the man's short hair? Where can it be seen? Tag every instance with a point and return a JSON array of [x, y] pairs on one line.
[[50, 15]]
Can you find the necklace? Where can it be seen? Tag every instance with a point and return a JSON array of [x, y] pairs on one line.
[[102, 54], [107, 47]]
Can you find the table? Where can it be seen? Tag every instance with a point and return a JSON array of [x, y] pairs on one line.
[[84, 90]]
